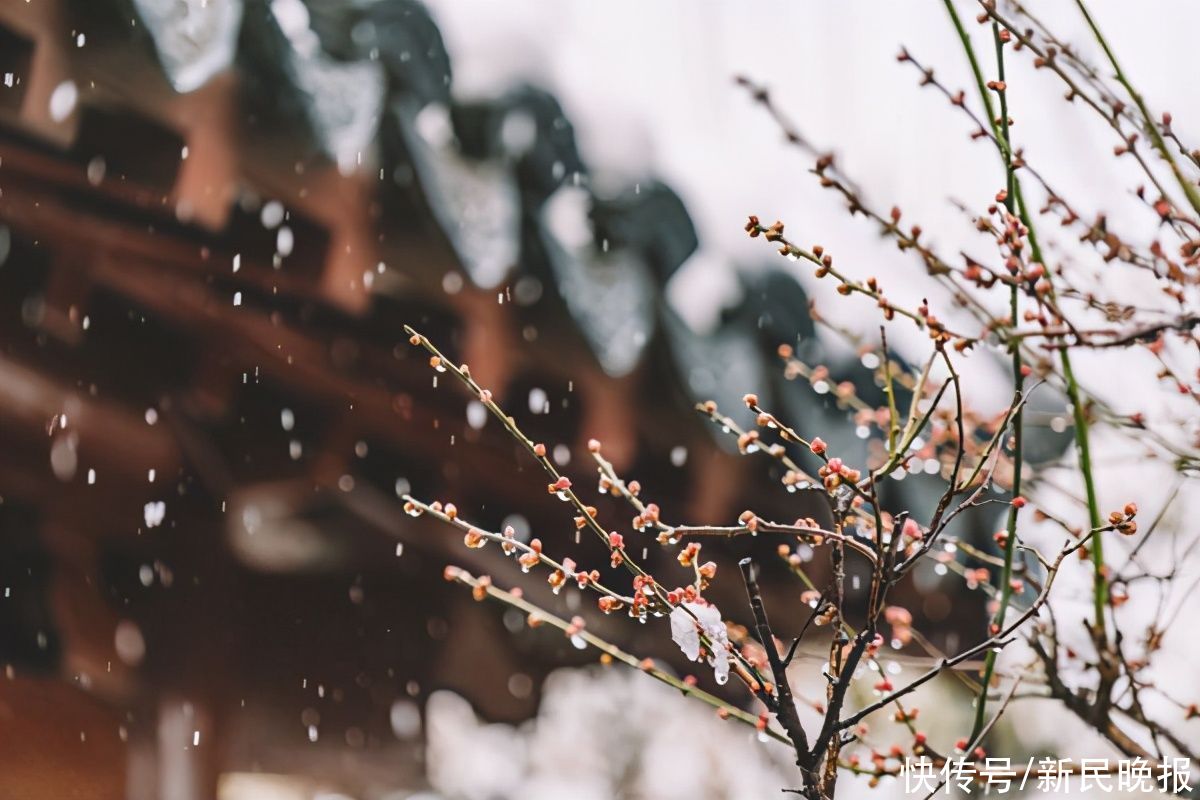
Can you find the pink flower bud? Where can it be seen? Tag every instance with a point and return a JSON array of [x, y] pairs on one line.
[[912, 530]]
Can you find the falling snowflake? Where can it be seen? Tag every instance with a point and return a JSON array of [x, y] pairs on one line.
[[154, 513]]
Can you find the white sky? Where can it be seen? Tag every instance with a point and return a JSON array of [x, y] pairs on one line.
[[649, 88]]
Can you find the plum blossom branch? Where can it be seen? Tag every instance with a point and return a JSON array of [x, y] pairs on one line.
[[484, 589]]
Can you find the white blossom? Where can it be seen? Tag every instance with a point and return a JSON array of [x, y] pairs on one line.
[[686, 632]]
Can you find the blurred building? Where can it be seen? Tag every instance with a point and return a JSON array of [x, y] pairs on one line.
[[215, 218]]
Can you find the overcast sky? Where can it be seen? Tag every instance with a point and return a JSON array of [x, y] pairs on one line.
[[649, 88]]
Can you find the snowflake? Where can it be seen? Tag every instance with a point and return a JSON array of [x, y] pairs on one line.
[[686, 630]]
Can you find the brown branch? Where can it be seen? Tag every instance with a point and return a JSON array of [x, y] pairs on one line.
[[785, 706]]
